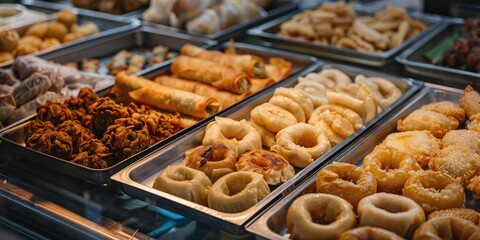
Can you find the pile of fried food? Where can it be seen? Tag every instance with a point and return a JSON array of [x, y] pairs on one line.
[[111, 6], [465, 52], [97, 132], [203, 16], [409, 186], [126, 61], [240, 160], [202, 82], [44, 35], [337, 24]]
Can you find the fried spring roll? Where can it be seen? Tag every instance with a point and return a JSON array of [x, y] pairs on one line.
[[223, 77], [260, 84], [253, 66], [225, 97]]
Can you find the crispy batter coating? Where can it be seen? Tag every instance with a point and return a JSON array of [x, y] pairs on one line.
[[474, 185], [92, 154], [437, 123], [76, 131], [104, 113], [460, 162], [79, 105], [126, 137], [54, 112], [57, 144], [133, 108], [465, 213], [447, 108], [161, 126], [37, 125], [462, 137]]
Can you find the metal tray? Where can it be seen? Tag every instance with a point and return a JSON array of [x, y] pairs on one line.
[[271, 225], [136, 180], [414, 61], [279, 8], [267, 34], [106, 23], [135, 41]]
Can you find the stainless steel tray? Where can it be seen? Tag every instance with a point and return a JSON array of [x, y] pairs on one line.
[[414, 60], [136, 41], [267, 34], [106, 23], [136, 180], [271, 225], [279, 8]]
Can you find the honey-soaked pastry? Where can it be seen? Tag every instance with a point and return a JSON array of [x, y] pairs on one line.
[[274, 168], [49, 43], [9, 40], [462, 137], [67, 18], [38, 29], [465, 213], [290, 105], [420, 144], [56, 30], [420, 119], [434, 190], [268, 138], [92, 153], [237, 192], [460, 162], [184, 182], [447, 108], [299, 97], [237, 135], [392, 212], [319, 216], [348, 181], [54, 143], [55, 113], [470, 101], [390, 167], [272, 117], [369, 233], [301, 144], [447, 227], [210, 158], [474, 186]]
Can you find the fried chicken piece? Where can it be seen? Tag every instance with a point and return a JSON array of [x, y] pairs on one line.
[[474, 186], [465, 213], [37, 125], [159, 125], [79, 105], [420, 144], [76, 131], [462, 137], [126, 137], [470, 101], [57, 144], [54, 112], [92, 154], [460, 162], [104, 113], [447, 108], [420, 119]]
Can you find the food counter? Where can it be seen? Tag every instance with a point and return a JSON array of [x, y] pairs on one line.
[[279, 123]]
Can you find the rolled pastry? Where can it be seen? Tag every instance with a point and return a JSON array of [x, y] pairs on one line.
[[223, 77]]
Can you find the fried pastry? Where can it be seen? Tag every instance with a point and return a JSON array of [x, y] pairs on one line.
[[57, 144], [37, 125], [76, 131], [465, 213], [55, 113], [420, 119], [460, 162], [211, 158], [474, 186], [92, 153], [447, 108], [469, 101], [104, 112], [462, 137], [420, 144]]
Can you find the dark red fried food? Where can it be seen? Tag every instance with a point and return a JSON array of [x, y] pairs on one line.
[[161, 126], [54, 112], [104, 113], [76, 131], [126, 137], [92, 154], [57, 144], [37, 125]]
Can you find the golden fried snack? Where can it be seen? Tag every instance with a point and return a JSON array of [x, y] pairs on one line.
[[9, 40], [67, 18], [390, 167], [92, 153], [336, 127], [462, 137], [54, 143], [369, 233], [86, 29], [469, 101], [56, 30], [460, 162], [420, 144], [119, 62], [315, 91], [345, 180], [29, 40], [474, 186], [237, 135], [37, 125], [338, 78], [137, 61], [104, 113], [447, 108], [274, 168], [237, 192], [301, 144], [90, 65], [184, 182], [268, 138], [38, 29], [465, 213], [76, 131], [55, 113], [211, 158], [434, 190], [384, 91], [392, 212], [49, 43], [436, 123], [69, 37], [353, 118], [24, 49], [6, 56], [290, 105], [447, 228], [346, 100], [161, 125], [299, 97], [318, 214], [272, 117]]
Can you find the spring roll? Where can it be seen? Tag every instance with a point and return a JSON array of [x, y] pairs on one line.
[[225, 97], [223, 77], [278, 68], [253, 66], [174, 100], [260, 84]]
